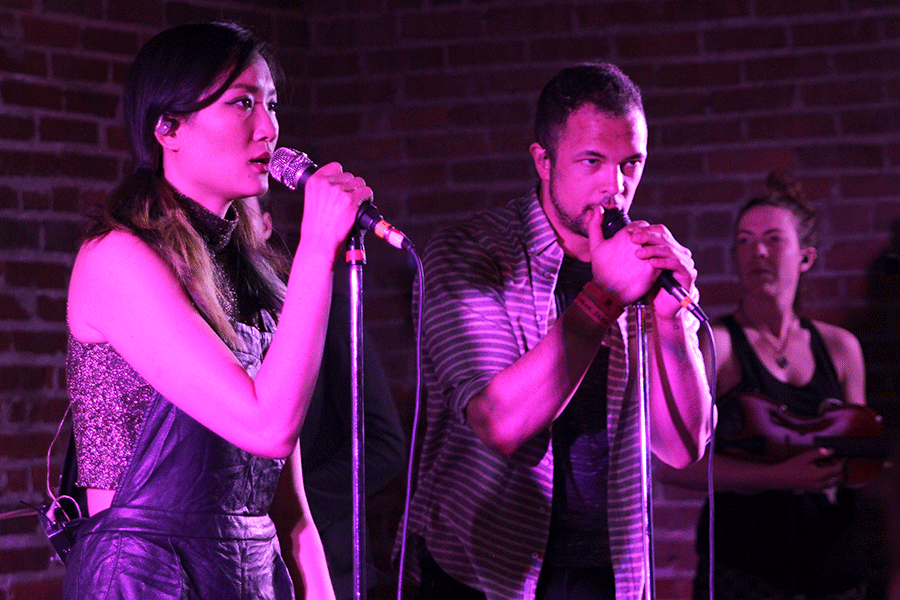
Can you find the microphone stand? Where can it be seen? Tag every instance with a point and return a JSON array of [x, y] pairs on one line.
[[356, 258], [643, 386]]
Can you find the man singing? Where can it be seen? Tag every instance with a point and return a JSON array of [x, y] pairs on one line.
[[529, 481]]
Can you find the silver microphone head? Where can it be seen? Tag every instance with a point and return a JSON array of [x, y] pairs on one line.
[[291, 167]]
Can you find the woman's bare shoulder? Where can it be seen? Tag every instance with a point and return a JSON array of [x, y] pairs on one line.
[[838, 340], [110, 274]]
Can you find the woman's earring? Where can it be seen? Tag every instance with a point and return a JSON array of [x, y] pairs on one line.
[[164, 126]]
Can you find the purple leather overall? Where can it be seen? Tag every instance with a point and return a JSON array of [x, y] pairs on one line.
[[188, 519]]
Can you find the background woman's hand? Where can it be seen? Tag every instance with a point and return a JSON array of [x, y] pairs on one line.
[[811, 471]]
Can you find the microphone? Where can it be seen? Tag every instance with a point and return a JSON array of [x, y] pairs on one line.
[[293, 168], [614, 220]]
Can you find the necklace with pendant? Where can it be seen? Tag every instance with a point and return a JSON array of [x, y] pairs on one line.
[[780, 350]]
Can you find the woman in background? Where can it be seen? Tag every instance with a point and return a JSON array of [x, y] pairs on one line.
[[782, 530], [186, 399]]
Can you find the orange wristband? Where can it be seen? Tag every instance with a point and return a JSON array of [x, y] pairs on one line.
[[601, 307]]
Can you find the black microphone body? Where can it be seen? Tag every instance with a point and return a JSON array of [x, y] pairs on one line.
[[614, 220], [293, 168]]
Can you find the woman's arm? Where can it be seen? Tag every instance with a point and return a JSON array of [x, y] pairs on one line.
[[121, 292]]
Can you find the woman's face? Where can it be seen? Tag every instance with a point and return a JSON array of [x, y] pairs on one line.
[[221, 153], [767, 252]]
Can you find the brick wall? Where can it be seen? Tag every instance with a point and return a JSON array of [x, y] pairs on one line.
[[431, 101]]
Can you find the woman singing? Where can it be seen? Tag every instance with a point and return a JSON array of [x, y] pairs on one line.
[[186, 398]]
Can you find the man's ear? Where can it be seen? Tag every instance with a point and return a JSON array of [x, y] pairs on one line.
[[165, 130], [541, 161]]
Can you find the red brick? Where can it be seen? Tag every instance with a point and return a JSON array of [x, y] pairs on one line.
[[859, 30], [25, 378], [866, 61], [419, 117], [68, 130], [31, 95], [570, 48], [177, 13], [16, 128], [824, 155], [607, 14], [8, 198], [291, 33], [16, 482], [768, 8], [511, 21], [15, 234], [841, 92], [75, 68], [523, 80], [871, 185], [25, 445], [145, 13], [794, 125], [361, 31], [694, 74], [39, 342], [14, 560], [111, 40], [856, 254], [474, 171], [37, 274], [702, 132], [870, 121], [675, 104], [792, 68], [67, 200], [26, 524], [36, 200], [761, 160], [99, 104], [749, 99], [46, 589], [89, 166], [84, 8], [440, 25], [432, 203], [378, 61], [47, 32], [486, 52], [50, 309], [663, 43], [744, 38], [10, 307], [677, 10]]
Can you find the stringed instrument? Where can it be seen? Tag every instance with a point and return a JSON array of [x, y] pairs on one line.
[[772, 434]]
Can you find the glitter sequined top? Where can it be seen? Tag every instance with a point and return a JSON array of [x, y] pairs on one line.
[[109, 398]]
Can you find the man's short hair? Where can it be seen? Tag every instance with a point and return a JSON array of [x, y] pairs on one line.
[[600, 84]]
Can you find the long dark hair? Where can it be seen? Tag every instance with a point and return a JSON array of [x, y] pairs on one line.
[[174, 74]]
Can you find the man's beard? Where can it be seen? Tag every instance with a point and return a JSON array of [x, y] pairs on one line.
[[577, 224]]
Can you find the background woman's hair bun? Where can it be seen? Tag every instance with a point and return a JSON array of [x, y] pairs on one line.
[[782, 183]]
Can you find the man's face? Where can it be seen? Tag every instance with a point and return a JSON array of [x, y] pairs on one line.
[[598, 162]]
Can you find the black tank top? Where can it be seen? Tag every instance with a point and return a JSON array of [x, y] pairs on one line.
[[802, 543]]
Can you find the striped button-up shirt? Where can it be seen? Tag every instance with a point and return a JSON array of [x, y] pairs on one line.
[[488, 299]]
